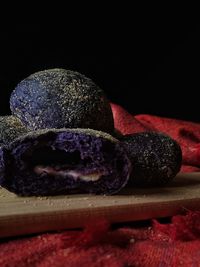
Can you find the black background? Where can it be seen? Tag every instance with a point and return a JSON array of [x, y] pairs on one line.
[[146, 64]]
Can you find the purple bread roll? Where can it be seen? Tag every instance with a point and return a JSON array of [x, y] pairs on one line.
[[59, 98], [52, 162], [10, 128], [156, 158]]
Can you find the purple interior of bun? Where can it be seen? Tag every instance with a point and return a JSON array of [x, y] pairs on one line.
[[65, 162]]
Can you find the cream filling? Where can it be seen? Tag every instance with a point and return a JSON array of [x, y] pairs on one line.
[[91, 177], [86, 177]]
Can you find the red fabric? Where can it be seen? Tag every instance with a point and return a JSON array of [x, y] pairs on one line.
[[173, 244], [186, 133]]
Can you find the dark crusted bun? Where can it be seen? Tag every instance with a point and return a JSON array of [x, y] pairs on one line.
[[59, 98], [49, 162], [10, 128], [156, 158]]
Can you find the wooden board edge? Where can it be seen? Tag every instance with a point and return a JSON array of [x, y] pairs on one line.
[[70, 219]]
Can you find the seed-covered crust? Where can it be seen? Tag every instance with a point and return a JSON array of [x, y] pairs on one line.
[[58, 98]]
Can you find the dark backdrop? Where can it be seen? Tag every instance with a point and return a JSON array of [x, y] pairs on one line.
[[147, 65]]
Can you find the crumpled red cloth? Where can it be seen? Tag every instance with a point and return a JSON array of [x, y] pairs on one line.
[[186, 133], [172, 244]]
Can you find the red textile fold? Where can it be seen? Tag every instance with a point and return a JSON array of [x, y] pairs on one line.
[[186, 133], [174, 244]]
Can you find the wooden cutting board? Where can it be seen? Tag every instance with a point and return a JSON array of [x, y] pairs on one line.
[[24, 215]]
